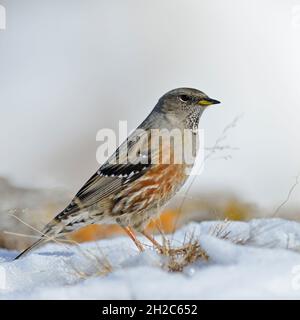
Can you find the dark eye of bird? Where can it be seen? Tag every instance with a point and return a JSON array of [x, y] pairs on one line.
[[184, 98]]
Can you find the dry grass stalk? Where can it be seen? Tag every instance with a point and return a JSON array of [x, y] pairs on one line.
[[212, 150], [221, 231], [102, 265]]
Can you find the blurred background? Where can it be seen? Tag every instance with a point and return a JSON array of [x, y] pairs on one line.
[[71, 67]]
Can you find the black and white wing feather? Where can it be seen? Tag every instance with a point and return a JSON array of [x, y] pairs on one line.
[[112, 178]]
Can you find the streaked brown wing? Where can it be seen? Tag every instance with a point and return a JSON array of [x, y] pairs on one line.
[[111, 178]]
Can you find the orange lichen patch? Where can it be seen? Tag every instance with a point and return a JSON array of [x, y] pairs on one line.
[[234, 210], [166, 223], [96, 232]]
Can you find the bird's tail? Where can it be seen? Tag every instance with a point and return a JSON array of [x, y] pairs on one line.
[[53, 228], [33, 246]]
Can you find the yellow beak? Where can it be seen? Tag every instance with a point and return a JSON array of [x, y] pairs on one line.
[[208, 101]]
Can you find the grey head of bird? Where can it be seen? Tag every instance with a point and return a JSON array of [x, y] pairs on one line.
[[181, 107]]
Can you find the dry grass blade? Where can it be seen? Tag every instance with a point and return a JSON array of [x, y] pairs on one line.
[[220, 231], [102, 265], [212, 150], [288, 196]]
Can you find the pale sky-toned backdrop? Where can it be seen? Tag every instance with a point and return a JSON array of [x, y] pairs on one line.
[[71, 67]]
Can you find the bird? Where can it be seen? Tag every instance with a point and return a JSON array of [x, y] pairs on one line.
[[136, 182]]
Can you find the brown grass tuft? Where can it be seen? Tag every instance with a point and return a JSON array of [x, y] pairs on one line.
[[179, 257]]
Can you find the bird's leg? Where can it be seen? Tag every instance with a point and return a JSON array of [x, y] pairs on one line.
[[165, 250], [151, 239], [131, 234]]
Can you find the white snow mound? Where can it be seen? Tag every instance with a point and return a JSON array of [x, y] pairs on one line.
[[258, 260]]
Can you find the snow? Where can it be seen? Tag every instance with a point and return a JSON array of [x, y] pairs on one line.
[[258, 259]]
